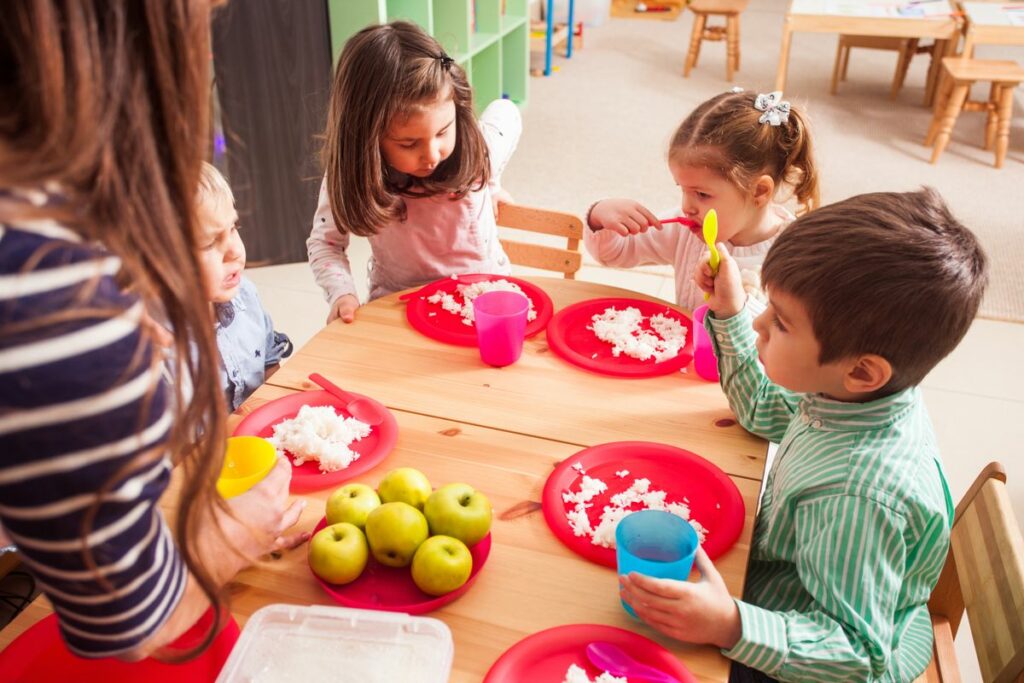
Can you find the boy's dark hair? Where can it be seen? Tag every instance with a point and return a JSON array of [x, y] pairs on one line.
[[889, 273]]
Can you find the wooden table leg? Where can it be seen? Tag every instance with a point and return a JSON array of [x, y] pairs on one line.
[[732, 40], [1005, 114], [934, 72], [787, 40], [695, 38]]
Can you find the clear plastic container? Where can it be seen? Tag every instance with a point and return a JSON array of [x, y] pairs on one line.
[[286, 643]]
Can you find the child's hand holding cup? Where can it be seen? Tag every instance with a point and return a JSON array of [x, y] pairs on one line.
[[655, 543]]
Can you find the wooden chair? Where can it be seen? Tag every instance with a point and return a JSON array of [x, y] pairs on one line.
[[984, 573], [958, 75], [529, 219], [702, 9], [906, 47]]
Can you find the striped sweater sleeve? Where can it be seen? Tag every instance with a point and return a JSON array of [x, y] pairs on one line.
[[80, 400], [761, 406], [851, 560]]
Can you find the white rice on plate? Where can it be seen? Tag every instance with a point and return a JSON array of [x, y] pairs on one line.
[[469, 292], [624, 330], [318, 433], [639, 496], [577, 674]]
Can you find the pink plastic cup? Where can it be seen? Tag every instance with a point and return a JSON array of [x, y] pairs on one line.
[[500, 326], [704, 360]]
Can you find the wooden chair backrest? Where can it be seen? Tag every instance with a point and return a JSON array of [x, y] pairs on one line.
[[984, 575], [530, 219]]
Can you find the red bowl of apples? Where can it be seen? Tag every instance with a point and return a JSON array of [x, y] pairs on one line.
[[437, 559]]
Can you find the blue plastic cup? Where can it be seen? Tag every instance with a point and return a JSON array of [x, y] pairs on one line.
[[655, 543]]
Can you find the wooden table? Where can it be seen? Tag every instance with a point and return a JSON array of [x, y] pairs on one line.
[[823, 16], [990, 23], [503, 430]]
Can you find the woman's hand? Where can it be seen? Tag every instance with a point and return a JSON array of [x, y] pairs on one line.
[[624, 216], [344, 308], [693, 612], [258, 523]]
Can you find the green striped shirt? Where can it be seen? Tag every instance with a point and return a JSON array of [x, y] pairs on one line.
[[852, 531]]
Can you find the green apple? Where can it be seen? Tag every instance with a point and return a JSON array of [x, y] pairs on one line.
[[459, 511], [338, 553], [351, 503], [441, 565], [404, 485], [395, 531]]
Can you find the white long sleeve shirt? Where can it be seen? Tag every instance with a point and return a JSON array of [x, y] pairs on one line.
[[439, 236], [675, 245]]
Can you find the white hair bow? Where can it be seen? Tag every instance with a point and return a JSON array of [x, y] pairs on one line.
[[776, 110]]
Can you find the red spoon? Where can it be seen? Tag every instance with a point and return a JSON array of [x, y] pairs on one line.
[[362, 409]]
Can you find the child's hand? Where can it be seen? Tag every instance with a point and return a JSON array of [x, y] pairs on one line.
[[693, 612], [344, 308], [727, 296], [501, 197], [624, 216]]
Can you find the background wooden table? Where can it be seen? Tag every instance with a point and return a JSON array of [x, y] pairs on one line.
[[812, 16], [502, 431], [989, 24]]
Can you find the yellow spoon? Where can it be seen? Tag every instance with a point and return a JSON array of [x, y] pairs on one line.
[[711, 236]]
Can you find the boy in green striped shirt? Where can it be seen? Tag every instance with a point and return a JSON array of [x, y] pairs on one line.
[[865, 297]]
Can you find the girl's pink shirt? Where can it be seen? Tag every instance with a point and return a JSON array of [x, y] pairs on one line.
[[438, 238]]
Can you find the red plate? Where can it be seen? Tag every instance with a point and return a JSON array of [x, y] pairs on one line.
[[713, 498], [448, 328], [39, 656], [372, 449], [546, 656], [392, 589], [569, 337]]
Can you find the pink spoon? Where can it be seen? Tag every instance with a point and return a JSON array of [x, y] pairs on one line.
[[693, 225], [613, 659], [362, 409]]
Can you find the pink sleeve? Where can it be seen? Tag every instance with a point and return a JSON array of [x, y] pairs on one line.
[[326, 248], [651, 248]]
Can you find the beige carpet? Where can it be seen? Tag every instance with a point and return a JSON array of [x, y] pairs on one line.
[[599, 127]]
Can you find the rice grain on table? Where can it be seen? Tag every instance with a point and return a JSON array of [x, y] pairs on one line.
[[319, 434]]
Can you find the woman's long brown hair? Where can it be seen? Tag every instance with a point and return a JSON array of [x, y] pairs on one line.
[[108, 101], [383, 72]]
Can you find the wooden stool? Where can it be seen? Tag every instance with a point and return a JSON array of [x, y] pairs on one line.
[[958, 75], [702, 9]]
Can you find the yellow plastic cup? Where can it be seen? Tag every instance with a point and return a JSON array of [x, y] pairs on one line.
[[246, 461]]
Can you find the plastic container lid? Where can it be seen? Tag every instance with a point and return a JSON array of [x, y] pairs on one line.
[[284, 643]]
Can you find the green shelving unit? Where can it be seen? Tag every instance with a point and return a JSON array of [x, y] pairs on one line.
[[488, 38]]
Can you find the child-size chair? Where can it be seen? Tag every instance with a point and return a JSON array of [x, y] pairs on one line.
[[957, 76], [529, 219], [906, 47], [984, 573], [702, 9]]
